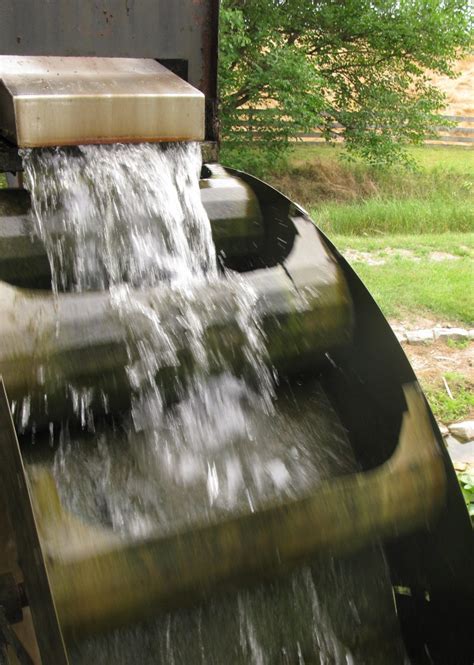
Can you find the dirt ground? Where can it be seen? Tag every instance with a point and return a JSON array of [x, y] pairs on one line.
[[432, 361]]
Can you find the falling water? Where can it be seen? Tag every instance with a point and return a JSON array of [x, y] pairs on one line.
[[117, 214], [127, 218], [120, 217]]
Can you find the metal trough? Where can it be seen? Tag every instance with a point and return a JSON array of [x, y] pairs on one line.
[[53, 101]]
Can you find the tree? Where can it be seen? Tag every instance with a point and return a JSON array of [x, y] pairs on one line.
[[362, 64]]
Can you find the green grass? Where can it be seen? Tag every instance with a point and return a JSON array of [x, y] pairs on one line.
[[414, 283], [453, 158], [447, 409], [353, 198], [458, 244], [458, 343], [316, 175], [442, 289], [406, 216], [3, 180], [426, 156]]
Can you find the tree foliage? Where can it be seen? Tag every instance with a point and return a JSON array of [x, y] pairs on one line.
[[306, 64]]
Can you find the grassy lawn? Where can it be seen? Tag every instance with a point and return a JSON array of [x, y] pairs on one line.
[[405, 286], [432, 274]]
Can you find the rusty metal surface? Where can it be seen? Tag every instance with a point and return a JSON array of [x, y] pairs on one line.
[[159, 29], [30, 555], [49, 101]]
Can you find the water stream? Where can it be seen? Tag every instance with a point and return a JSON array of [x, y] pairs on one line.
[[115, 214], [127, 218]]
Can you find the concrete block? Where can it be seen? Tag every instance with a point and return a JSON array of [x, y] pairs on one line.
[[423, 336]]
